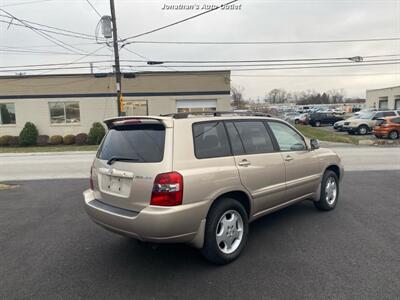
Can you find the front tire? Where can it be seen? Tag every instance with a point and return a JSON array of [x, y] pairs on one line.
[[362, 130], [393, 135], [317, 124], [226, 231], [329, 192]]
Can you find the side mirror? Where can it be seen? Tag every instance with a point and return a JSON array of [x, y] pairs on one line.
[[314, 144]]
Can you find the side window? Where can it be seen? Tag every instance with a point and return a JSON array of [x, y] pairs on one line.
[[377, 115], [236, 142], [255, 137], [389, 113], [287, 138], [210, 140], [396, 120]]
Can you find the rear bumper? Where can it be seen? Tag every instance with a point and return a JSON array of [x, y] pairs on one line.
[[178, 224]]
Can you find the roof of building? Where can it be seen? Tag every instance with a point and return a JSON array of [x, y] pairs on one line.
[[386, 88]]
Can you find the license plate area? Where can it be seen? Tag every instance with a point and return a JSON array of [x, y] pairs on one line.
[[115, 185]]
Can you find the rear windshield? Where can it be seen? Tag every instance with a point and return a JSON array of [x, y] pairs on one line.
[[142, 143]]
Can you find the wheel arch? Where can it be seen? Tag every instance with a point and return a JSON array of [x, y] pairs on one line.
[[334, 168], [238, 195]]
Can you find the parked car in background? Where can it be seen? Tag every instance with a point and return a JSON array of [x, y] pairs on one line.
[[388, 127], [202, 178], [292, 117], [339, 124], [319, 119], [365, 122], [303, 119]]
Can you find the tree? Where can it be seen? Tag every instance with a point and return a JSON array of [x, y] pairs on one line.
[[237, 96], [337, 96], [277, 96]]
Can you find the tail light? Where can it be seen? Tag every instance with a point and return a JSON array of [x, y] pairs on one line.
[[91, 179], [167, 189]]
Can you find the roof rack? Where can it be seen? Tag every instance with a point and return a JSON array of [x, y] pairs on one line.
[[214, 114]]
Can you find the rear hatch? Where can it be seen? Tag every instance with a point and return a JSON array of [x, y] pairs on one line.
[[131, 155]]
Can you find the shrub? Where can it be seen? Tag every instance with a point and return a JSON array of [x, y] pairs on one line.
[[13, 141], [96, 134], [81, 139], [56, 140], [69, 139], [28, 135], [42, 140], [4, 140]]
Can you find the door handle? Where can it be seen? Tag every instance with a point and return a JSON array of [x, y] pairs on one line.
[[288, 158], [244, 163]]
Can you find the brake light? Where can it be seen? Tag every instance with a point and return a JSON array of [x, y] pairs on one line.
[[91, 179], [167, 189]]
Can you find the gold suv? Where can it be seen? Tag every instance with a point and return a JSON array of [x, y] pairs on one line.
[[201, 178]]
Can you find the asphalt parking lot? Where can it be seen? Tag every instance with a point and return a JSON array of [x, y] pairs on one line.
[[50, 249]]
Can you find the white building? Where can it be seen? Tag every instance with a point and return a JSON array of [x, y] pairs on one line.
[[385, 98], [69, 104]]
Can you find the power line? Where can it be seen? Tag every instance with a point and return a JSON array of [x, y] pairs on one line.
[[276, 64], [95, 10], [45, 35], [177, 22], [319, 67], [267, 60], [57, 64], [19, 51], [61, 30], [23, 3], [313, 75], [264, 42]]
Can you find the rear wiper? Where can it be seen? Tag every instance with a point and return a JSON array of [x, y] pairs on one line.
[[116, 158]]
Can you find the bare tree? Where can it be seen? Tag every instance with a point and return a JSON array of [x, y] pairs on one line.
[[237, 97], [277, 96], [337, 96]]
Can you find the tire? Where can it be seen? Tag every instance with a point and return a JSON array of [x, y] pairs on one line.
[[327, 201], [393, 135], [225, 209], [296, 121], [362, 130], [317, 124]]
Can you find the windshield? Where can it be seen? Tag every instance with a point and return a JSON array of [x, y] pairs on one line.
[[141, 143], [366, 116]]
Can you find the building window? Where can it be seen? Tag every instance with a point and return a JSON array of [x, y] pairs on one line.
[[64, 112], [7, 113], [397, 103], [383, 103], [136, 107], [195, 105]]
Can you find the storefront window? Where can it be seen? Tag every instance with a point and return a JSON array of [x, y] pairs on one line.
[[7, 113], [64, 112]]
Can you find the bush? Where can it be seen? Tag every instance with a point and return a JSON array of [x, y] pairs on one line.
[[42, 140], [69, 139], [28, 135], [81, 139], [96, 134], [13, 141], [56, 140], [4, 140]]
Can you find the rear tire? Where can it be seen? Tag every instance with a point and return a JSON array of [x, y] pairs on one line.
[[329, 191], [226, 231], [393, 135], [317, 124]]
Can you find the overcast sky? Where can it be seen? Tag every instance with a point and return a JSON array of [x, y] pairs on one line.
[[281, 20]]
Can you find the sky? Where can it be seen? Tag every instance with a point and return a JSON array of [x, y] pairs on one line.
[[252, 20]]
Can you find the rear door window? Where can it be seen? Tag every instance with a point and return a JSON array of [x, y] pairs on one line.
[[396, 120], [210, 140], [141, 143], [235, 139], [255, 137]]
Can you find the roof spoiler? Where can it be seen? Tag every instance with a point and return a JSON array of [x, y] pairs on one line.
[[144, 119]]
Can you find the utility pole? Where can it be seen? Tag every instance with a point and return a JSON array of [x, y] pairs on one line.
[[116, 55]]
